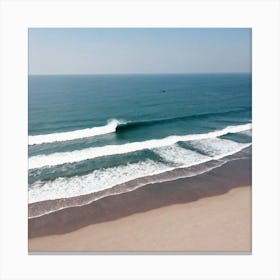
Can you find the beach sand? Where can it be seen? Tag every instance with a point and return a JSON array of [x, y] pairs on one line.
[[210, 212], [219, 223]]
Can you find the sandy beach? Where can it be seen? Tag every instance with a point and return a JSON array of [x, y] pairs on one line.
[[210, 212], [139, 140], [220, 223]]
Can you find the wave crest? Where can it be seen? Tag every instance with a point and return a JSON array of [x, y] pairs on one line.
[[115, 125], [74, 135], [137, 124], [94, 152]]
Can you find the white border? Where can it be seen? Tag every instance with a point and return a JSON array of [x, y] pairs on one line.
[[262, 16]]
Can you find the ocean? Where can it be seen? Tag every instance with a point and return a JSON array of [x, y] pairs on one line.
[[89, 134]]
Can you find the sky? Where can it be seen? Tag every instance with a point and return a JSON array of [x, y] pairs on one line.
[[138, 50]]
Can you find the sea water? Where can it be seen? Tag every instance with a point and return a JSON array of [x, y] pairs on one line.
[[88, 133]]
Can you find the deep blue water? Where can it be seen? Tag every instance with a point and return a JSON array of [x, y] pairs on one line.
[[126, 111]]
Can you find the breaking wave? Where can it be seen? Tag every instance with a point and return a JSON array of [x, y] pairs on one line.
[[115, 125], [73, 135], [90, 153]]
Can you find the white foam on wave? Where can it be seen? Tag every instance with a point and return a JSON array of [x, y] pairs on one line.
[[247, 132], [65, 187], [91, 153], [216, 147], [74, 135], [96, 181], [180, 156]]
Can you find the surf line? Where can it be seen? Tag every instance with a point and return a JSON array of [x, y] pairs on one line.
[[94, 152]]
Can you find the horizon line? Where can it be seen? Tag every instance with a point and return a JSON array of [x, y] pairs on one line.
[[159, 73]]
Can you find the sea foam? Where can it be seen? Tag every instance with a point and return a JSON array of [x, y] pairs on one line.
[[180, 156], [112, 126], [90, 153], [73, 135], [101, 179], [95, 181], [215, 147]]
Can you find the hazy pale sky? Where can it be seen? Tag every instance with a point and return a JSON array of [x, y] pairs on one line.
[[138, 50]]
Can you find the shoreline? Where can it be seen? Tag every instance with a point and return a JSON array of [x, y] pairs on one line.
[[218, 181], [218, 224], [40, 208]]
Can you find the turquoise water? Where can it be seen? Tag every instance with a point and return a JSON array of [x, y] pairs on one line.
[[91, 132]]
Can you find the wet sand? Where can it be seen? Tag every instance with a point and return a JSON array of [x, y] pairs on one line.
[[215, 224], [208, 212]]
